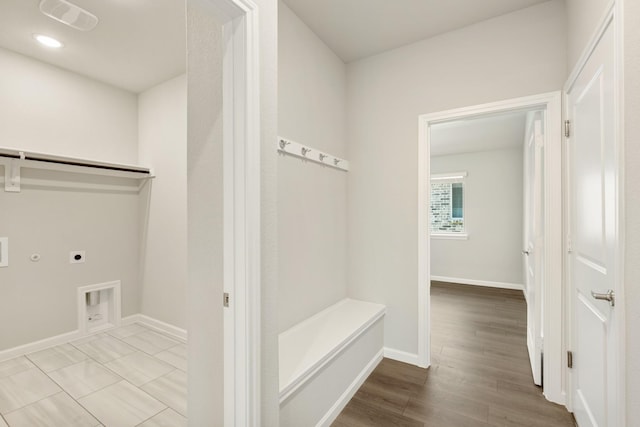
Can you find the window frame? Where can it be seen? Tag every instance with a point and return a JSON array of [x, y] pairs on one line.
[[451, 177]]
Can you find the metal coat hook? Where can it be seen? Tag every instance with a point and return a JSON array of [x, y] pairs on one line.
[[283, 144], [305, 151]]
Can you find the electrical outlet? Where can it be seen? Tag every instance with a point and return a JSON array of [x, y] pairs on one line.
[[76, 257]]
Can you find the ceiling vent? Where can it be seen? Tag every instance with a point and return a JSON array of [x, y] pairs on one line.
[[69, 14]]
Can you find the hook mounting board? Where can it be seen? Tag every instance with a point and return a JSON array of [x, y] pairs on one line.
[[296, 149]]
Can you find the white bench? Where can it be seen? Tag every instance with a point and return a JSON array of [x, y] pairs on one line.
[[325, 359]]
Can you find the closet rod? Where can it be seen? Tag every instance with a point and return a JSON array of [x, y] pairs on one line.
[[70, 161]]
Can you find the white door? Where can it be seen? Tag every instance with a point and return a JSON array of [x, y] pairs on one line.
[[533, 240], [593, 210]]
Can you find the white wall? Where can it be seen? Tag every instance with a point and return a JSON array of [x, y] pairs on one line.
[[205, 216], [493, 212], [162, 143], [582, 18], [312, 199], [501, 58], [38, 299], [43, 108], [46, 109]]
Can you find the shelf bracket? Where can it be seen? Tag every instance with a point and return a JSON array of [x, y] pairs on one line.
[[12, 175]]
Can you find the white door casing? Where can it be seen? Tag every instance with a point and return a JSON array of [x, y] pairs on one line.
[[533, 251], [241, 148], [594, 234], [241, 171], [553, 322]]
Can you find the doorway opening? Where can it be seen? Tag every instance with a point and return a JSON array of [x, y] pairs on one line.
[[101, 113], [485, 220]]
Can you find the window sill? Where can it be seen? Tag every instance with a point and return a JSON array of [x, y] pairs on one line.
[[450, 236]]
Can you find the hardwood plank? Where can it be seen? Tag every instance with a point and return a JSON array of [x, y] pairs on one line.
[[441, 416], [388, 398], [360, 414], [479, 376], [506, 417], [438, 399]]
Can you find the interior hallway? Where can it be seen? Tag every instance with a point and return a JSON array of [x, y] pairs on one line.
[[480, 373]]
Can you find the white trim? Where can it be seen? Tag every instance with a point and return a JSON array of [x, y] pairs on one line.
[[591, 45], [551, 102], [242, 213], [450, 236], [114, 309], [158, 325], [288, 390], [423, 358], [453, 176], [42, 344], [621, 378], [401, 356], [132, 186], [4, 252], [340, 404], [485, 283], [67, 337], [614, 15], [42, 160]]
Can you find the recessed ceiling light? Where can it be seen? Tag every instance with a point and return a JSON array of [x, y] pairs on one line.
[[48, 41]]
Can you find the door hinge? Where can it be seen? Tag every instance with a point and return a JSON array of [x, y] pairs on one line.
[[569, 244], [567, 128], [225, 299], [570, 359]]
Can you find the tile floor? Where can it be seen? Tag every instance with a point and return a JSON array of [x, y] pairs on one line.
[[125, 377]]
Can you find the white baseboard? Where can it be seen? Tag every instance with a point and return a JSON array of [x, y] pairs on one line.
[[39, 345], [156, 324], [489, 284], [150, 322], [401, 356], [337, 407]]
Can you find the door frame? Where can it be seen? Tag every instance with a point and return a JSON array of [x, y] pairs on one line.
[[555, 354], [241, 171], [612, 16], [241, 148]]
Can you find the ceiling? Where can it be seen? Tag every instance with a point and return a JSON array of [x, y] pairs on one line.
[[483, 133], [355, 29], [136, 44]]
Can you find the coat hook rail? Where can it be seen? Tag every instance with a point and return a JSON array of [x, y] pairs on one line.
[[287, 146]]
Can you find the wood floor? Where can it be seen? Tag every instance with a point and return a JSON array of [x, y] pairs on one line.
[[480, 373]]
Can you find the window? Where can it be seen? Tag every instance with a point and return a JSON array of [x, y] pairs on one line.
[[456, 201], [447, 205]]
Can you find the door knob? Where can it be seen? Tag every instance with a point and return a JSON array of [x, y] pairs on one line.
[[608, 296], [526, 252]]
